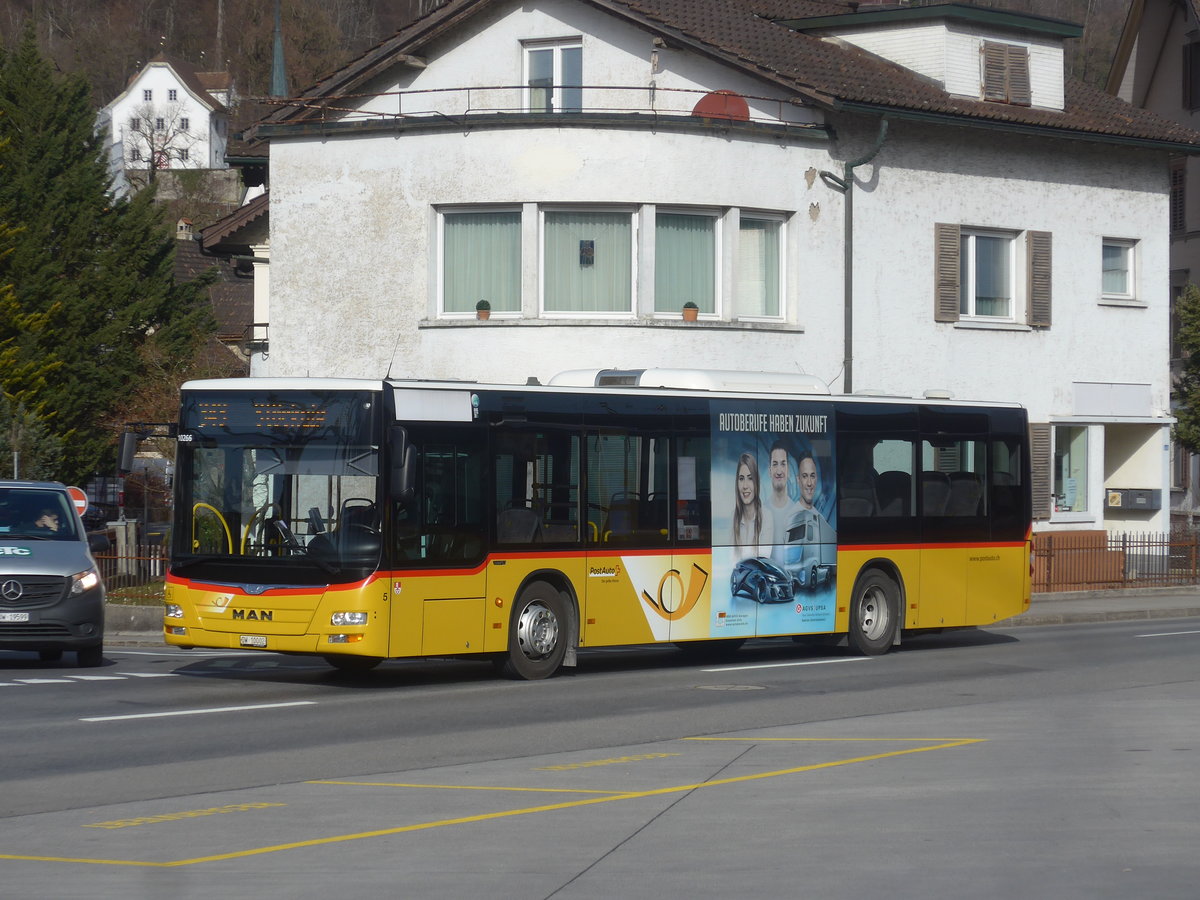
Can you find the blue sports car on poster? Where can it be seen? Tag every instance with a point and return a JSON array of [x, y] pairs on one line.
[[761, 581]]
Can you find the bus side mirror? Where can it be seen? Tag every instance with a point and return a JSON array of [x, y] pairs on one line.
[[128, 449], [402, 473]]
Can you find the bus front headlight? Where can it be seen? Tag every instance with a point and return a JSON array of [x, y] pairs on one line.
[[348, 618]]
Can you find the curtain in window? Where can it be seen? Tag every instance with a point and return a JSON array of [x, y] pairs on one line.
[[993, 275], [758, 268], [588, 262], [482, 261], [572, 79], [684, 262], [541, 79], [1116, 269]]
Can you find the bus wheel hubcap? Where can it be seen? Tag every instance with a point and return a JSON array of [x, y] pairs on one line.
[[873, 613], [537, 630]]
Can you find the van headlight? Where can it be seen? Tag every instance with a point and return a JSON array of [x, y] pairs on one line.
[[348, 618], [84, 581]]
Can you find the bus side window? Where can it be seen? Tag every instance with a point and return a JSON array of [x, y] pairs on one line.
[[894, 485]]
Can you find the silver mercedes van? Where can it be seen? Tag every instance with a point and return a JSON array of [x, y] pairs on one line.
[[51, 593]]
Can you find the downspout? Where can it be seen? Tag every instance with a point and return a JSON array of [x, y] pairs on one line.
[[845, 184]]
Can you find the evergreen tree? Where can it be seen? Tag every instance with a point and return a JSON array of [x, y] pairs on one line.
[[92, 277], [1187, 387]]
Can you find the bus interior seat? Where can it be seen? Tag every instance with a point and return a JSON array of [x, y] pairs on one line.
[[966, 490], [362, 513], [856, 506], [622, 517], [935, 492], [893, 491], [518, 525]]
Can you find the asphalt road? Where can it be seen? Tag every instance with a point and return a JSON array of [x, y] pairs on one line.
[[1041, 762]]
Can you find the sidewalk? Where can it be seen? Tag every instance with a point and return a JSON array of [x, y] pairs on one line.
[[142, 625], [1109, 606]]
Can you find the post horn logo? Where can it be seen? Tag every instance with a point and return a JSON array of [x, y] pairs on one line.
[[690, 593]]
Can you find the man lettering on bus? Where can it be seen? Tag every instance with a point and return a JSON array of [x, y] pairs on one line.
[[783, 507], [807, 469]]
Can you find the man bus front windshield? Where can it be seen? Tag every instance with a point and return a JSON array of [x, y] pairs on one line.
[[279, 487]]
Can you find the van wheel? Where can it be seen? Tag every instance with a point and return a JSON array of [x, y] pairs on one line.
[[873, 618], [90, 657], [537, 637]]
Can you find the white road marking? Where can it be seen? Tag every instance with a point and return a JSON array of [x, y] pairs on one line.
[[198, 712], [1168, 633], [807, 662]]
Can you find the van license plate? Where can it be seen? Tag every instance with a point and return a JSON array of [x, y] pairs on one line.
[[253, 640], [14, 617]]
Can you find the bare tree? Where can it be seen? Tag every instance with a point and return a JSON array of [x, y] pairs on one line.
[[159, 136]]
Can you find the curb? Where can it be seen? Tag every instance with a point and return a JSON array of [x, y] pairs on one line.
[[1083, 618]]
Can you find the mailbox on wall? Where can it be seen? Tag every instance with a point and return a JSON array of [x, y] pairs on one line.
[[1149, 499]]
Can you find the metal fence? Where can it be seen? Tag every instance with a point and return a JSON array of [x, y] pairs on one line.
[[136, 578], [1062, 561], [1099, 560]]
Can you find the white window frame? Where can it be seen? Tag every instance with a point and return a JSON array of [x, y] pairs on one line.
[[781, 220], [968, 236], [1093, 438], [147, 96], [172, 95], [1130, 247], [557, 46], [184, 124], [633, 266], [441, 260], [718, 257]]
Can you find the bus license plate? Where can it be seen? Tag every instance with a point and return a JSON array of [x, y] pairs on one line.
[[14, 617], [253, 640]]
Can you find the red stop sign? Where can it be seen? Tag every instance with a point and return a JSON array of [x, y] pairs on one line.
[[79, 498]]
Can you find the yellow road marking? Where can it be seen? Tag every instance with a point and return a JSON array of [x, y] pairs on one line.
[[485, 817], [463, 787], [175, 817], [639, 757]]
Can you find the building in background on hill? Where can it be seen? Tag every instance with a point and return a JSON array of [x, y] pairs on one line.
[[169, 117]]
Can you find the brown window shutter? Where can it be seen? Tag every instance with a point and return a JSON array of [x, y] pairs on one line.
[[1040, 468], [995, 57], [1178, 185], [1037, 252], [1017, 67], [948, 248]]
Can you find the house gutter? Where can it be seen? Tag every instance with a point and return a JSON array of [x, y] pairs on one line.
[[845, 184]]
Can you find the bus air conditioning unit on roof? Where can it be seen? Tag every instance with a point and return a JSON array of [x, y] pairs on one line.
[[695, 380]]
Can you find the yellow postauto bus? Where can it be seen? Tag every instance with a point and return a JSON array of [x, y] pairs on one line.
[[364, 520]]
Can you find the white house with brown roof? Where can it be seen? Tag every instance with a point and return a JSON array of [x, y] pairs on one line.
[[168, 117], [895, 199], [1157, 67]]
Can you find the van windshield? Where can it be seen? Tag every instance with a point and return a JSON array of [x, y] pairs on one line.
[[36, 514]]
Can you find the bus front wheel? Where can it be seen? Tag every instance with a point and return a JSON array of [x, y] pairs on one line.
[[537, 634], [873, 618]]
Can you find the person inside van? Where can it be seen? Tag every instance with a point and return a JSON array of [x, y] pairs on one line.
[[47, 520]]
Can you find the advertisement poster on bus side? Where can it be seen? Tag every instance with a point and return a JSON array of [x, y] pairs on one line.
[[774, 518]]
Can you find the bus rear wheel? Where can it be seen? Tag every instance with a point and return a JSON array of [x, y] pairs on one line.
[[873, 618], [537, 635]]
